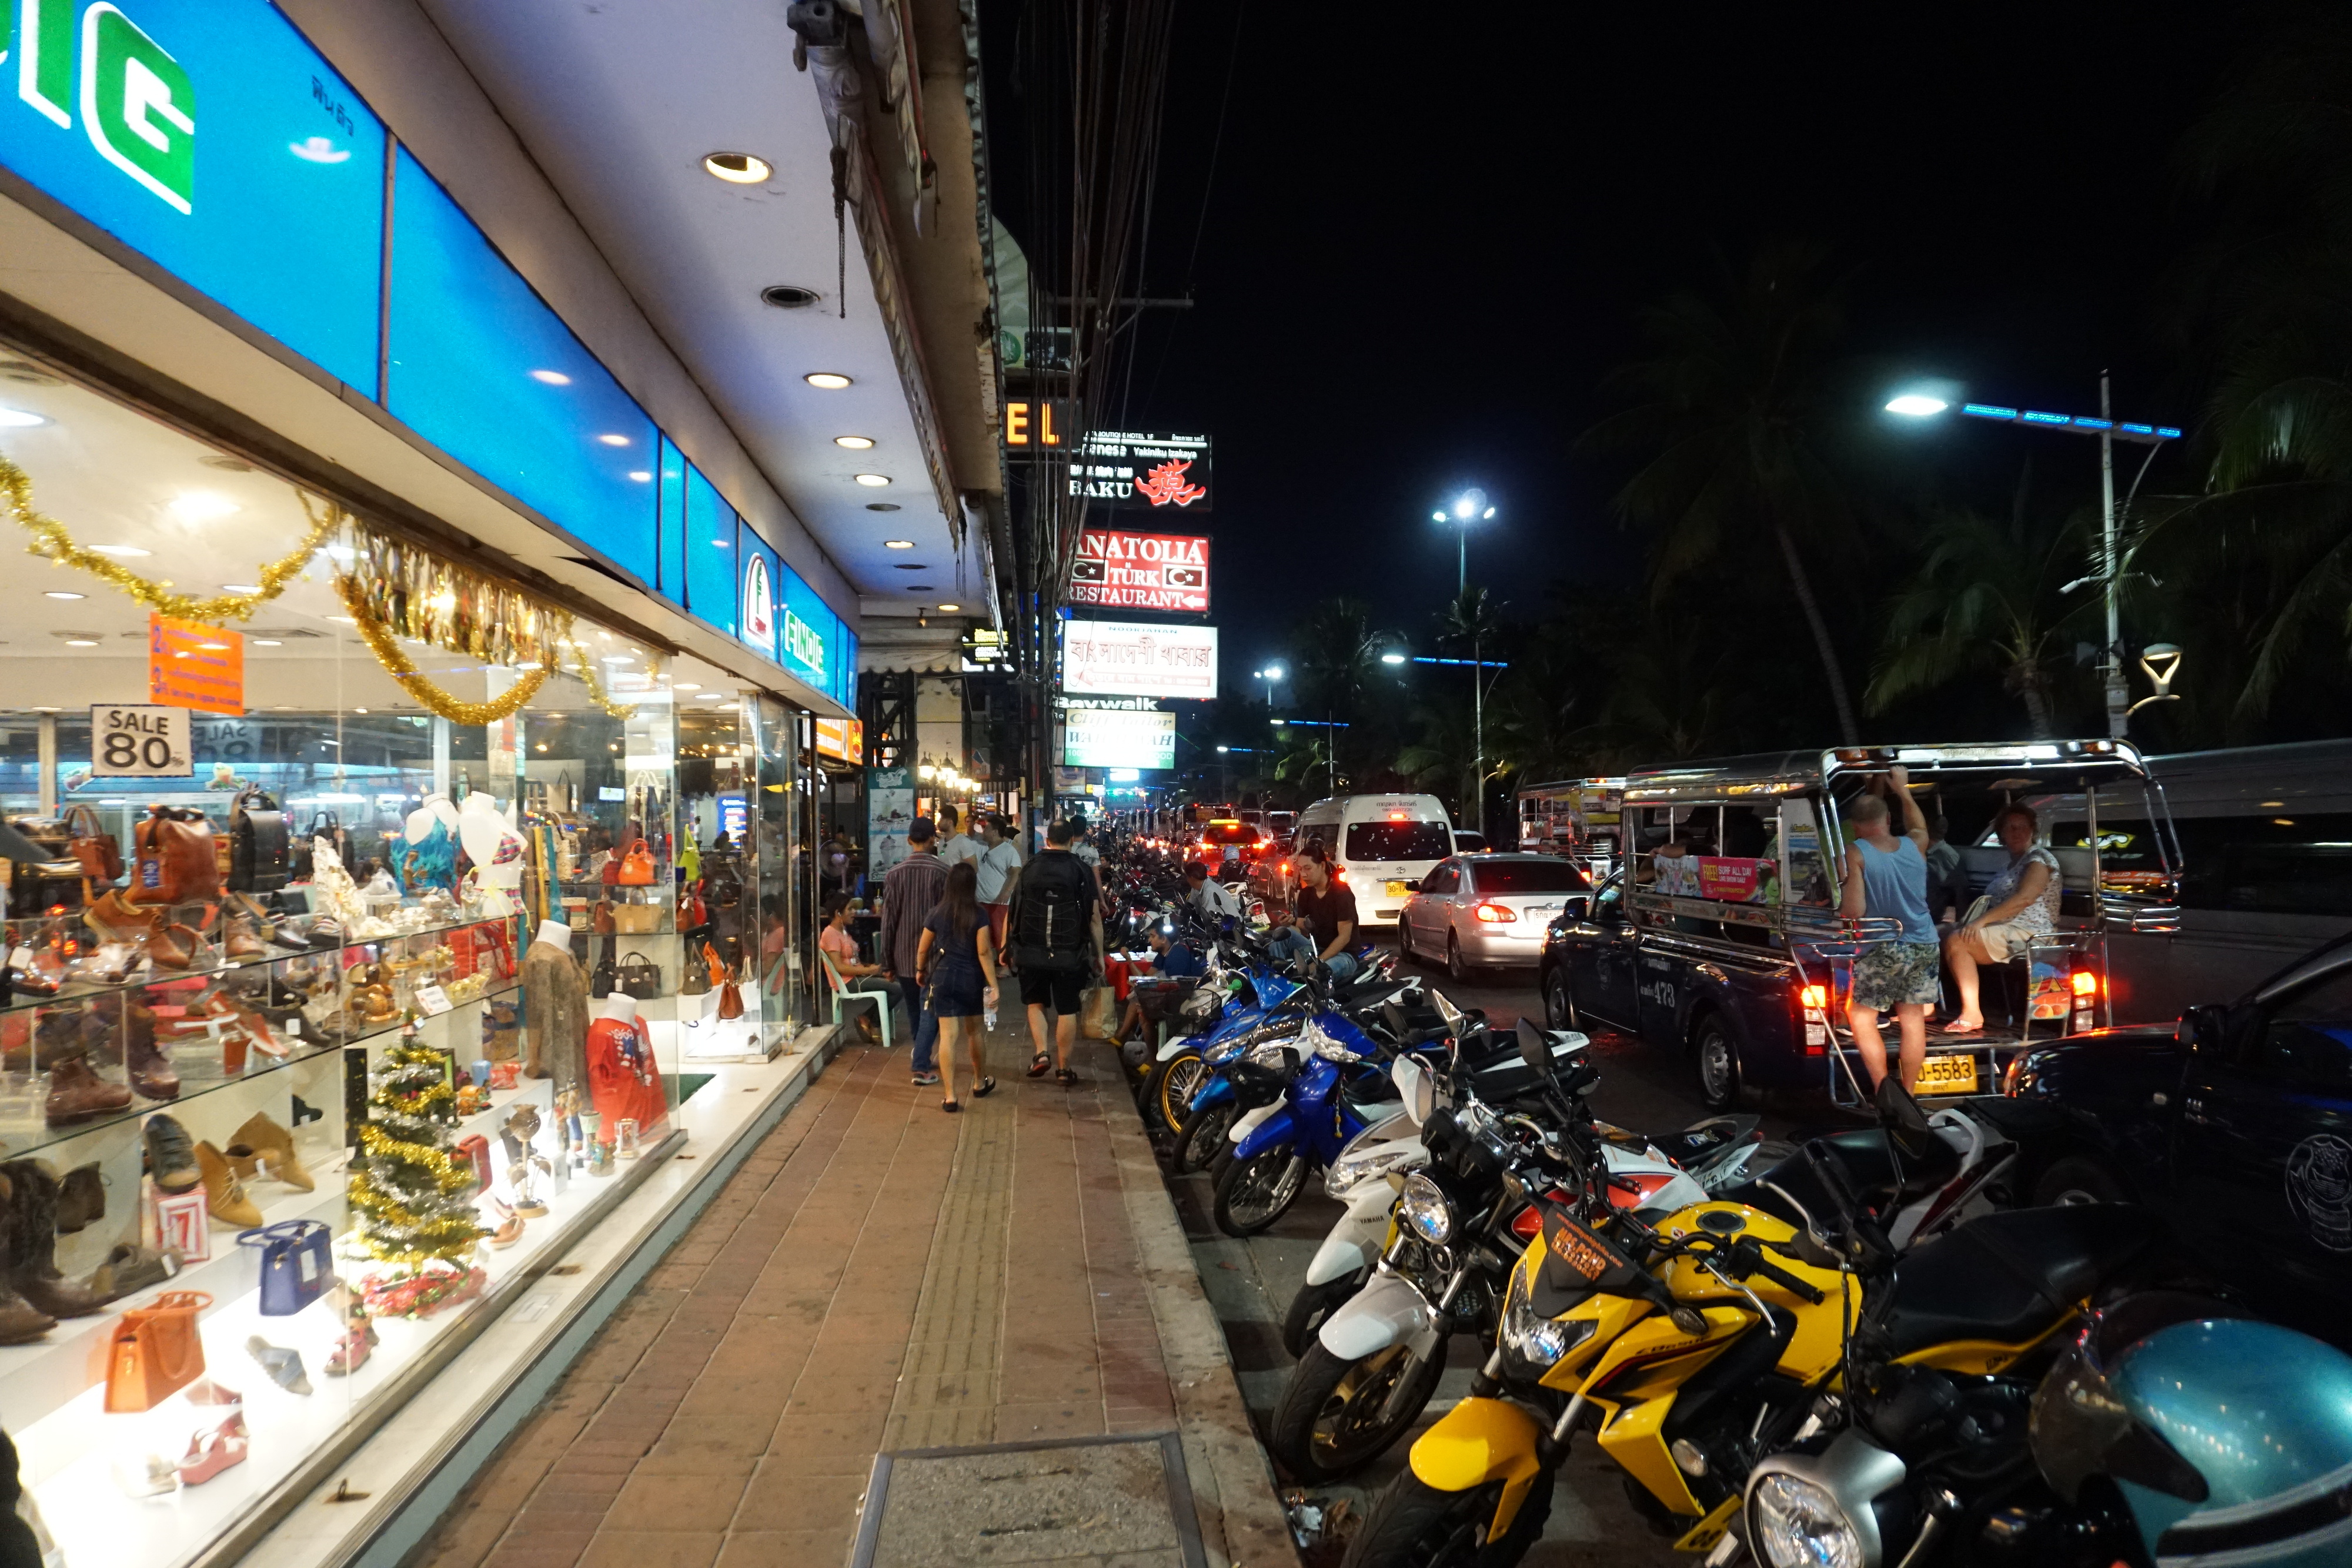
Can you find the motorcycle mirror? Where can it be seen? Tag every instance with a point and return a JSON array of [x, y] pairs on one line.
[[1449, 1012], [1898, 1111], [1414, 1084]]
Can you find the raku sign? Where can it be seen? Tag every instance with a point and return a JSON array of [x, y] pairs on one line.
[[208, 136], [1142, 572], [1129, 470]]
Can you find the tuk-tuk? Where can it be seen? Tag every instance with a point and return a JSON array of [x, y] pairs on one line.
[[1575, 818], [1742, 958]]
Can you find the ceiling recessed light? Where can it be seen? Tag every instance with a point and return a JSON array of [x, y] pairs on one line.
[[120, 552], [268, 642], [642, 476], [788, 296], [19, 418], [912, 566], [829, 380], [688, 686], [740, 168], [874, 481], [359, 710], [61, 593], [613, 440], [551, 378], [199, 507], [81, 642], [950, 606], [48, 710], [240, 588], [897, 544], [854, 443], [882, 505]]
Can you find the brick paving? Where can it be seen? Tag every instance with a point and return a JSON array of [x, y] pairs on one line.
[[877, 1275]]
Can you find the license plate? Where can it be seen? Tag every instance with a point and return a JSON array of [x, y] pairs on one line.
[[1949, 1075], [1397, 890]]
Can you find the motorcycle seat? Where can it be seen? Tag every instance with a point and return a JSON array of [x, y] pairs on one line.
[[2008, 1278]]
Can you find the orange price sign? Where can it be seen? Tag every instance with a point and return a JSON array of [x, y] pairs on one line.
[[193, 666]]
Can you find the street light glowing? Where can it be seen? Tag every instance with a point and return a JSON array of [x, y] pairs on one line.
[[1391, 658], [1471, 504], [1274, 672], [1916, 405]]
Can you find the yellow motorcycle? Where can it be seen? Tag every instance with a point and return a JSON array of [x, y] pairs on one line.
[[1698, 1348]]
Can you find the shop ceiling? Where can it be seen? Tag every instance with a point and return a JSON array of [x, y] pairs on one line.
[[619, 105]]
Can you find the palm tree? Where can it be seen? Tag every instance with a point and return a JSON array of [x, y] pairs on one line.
[[1731, 413], [1985, 599], [1445, 759]]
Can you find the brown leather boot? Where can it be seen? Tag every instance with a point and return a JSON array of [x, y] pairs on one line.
[[243, 941], [271, 1147], [20, 1321], [151, 1071], [33, 1213], [81, 1199], [173, 946], [78, 1094]]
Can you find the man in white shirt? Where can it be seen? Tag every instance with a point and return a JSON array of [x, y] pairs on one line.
[[1083, 846], [958, 845], [1209, 896], [998, 868]]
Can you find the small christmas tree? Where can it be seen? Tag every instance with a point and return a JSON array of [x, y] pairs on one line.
[[412, 1197]]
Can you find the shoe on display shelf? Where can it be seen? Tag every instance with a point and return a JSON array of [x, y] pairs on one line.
[[31, 1226], [146, 1475], [268, 1148], [76, 1093], [351, 1347], [171, 1155], [284, 1366], [82, 1198], [131, 1269], [224, 1195], [210, 1453], [206, 1391]]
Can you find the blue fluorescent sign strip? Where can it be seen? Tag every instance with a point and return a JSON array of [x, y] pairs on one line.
[[211, 137]]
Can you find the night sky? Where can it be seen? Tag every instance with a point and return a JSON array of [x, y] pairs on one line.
[[1428, 227]]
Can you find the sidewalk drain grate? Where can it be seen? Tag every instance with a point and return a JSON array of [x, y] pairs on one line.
[[1070, 1501]]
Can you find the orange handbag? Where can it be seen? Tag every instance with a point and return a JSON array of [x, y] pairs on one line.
[[156, 1352], [636, 866], [730, 1001]]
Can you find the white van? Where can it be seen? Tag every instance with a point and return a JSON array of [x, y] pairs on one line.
[[1383, 843]]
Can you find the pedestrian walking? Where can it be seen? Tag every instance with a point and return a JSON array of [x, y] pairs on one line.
[[956, 846], [909, 893], [960, 962], [1886, 878], [1057, 943], [999, 868]]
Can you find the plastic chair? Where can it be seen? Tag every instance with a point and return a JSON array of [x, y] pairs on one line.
[[844, 996]]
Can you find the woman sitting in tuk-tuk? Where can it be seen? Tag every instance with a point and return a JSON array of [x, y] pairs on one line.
[[2018, 908]]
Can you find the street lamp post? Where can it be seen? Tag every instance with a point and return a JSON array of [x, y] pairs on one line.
[[1923, 405], [1270, 674], [1468, 508]]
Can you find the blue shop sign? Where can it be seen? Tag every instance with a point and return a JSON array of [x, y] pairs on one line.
[[211, 137], [758, 601], [806, 635]]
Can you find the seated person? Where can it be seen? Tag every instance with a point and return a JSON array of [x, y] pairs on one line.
[[857, 977], [1948, 877], [1326, 910], [2019, 907], [1210, 897], [1174, 967]]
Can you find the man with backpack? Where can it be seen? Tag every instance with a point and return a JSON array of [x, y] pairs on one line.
[[1056, 944]]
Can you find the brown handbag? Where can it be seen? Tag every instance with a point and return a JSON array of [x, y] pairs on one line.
[[604, 923], [157, 1351], [730, 1001], [100, 856], [173, 858]]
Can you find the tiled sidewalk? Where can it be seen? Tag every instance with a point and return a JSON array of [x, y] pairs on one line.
[[877, 1276]]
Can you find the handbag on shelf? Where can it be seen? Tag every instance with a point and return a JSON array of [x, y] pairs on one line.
[[156, 1352], [636, 919], [606, 976], [257, 843], [296, 1263], [696, 982], [173, 858], [324, 824], [93, 845], [501, 1038], [604, 923], [636, 866], [730, 1001], [640, 977]]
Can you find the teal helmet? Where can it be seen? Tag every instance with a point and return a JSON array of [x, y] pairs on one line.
[[2229, 1440]]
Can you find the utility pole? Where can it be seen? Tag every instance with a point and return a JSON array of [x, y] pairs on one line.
[[2119, 698]]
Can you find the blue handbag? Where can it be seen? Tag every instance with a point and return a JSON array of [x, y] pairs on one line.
[[297, 1264]]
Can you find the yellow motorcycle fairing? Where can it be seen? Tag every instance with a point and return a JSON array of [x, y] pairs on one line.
[[1818, 1345], [1477, 1442], [1983, 1357]]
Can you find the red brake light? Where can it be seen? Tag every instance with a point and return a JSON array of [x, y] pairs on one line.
[[2086, 984], [1396, 816], [1495, 914], [1814, 996], [1527, 1224], [1286, 868]]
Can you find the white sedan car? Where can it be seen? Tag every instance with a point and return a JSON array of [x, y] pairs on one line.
[[1481, 911]]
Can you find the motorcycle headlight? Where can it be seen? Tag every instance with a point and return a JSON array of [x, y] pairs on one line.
[[1424, 1211], [1532, 1337], [1376, 1164], [1792, 1523]]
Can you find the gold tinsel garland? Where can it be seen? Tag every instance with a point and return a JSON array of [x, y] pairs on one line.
[[447, 1173], [402, 668], [53, 543]]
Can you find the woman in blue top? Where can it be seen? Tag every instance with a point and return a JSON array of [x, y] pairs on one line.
[[1887, 877], [957, 959]]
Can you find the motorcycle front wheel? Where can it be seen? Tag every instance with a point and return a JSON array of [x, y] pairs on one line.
[[1254, 1193], [1414, 1525], [1312, 1304], [1204, 1135], [1332, 1418], [1168, 1091]]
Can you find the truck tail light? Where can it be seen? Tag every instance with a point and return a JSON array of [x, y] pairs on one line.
[[1814, 996], [1495, 914], [2086, 983]]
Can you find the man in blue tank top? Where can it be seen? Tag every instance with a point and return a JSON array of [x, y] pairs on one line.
[[1887, 877]]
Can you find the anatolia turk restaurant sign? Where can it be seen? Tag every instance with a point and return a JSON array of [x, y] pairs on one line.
[[1123, 469], [1142, 572]]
